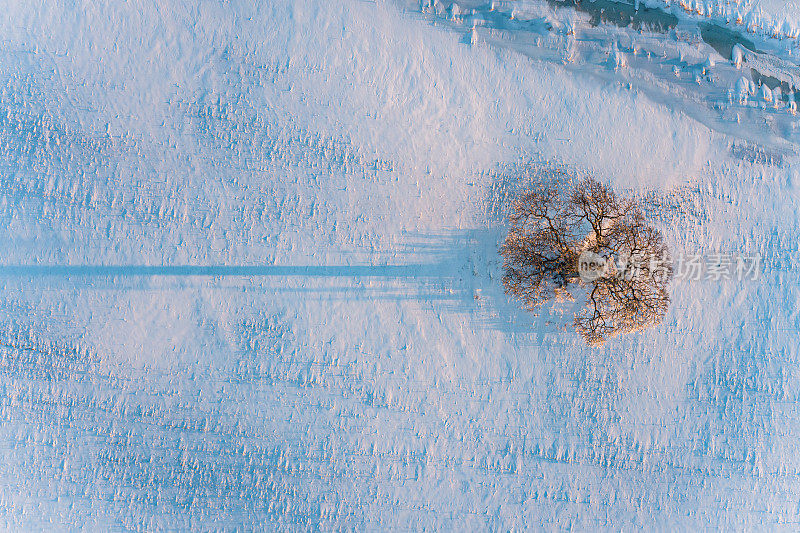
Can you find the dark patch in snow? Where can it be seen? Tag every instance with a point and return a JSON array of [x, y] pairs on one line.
[[769, 81], [623, 15], [723, 40]]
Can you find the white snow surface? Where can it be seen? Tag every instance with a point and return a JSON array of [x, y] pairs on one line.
[[396, 386]]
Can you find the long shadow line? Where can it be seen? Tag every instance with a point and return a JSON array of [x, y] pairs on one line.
[[436, 270]]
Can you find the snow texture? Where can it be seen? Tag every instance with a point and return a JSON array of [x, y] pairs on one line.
[[250, 276]]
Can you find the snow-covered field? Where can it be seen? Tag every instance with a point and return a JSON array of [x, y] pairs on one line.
[[249, 274]]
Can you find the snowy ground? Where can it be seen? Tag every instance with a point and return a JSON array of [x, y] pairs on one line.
[[250, 274]]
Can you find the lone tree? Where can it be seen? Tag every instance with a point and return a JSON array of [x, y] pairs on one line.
[[582, 241]]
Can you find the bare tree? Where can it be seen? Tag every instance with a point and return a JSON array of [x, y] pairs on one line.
[[568, 237]]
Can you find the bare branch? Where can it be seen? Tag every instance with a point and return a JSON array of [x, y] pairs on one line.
[[553, 224]]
